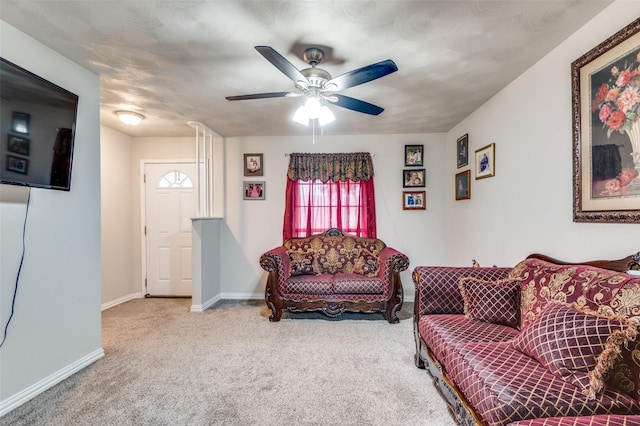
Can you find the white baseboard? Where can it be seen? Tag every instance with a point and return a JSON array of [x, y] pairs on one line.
[[206, 305], [123, 299], [242, 296], [226, 296], [34, 390]]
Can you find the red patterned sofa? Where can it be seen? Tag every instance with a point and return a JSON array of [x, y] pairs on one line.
[[546, 343], [334, 272]]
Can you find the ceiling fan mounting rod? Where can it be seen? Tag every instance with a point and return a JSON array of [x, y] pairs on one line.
[[313, 56]]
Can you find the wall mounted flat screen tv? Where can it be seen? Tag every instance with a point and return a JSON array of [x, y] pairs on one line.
[[37, 130]]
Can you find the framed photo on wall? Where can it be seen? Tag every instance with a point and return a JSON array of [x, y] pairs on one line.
[[413, 155], [414, 200], [253, 165], [20, 122], [18, 144], [462, 150], [486, 161], [463, 185], [17, 164], [413, 178], [253, 190], [606, 130]]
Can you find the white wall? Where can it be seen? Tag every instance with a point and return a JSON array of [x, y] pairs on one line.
[[251, 227], [527, 207], [56, 326], [117, 218]]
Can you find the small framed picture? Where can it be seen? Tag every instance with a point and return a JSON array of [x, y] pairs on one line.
[[414, 200], [463, 185], [253, 190], [414, 155], [17, 144], [17, 164], [253, 165], [462, 150], [412, 178], [20, 122], [486, 161]]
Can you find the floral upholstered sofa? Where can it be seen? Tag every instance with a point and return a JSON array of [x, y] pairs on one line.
[[546, 343], [334, 272]]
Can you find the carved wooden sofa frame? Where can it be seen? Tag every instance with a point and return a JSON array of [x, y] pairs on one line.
[[334, 305], [459, 408]]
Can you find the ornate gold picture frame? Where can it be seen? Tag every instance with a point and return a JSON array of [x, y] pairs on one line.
[[605, 84]]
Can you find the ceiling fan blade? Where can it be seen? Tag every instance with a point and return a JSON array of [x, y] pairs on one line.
[[281, 63], [361, 75], [262, 96], [354, 104]]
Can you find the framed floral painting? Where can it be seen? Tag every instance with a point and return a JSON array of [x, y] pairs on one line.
[[605, 86]]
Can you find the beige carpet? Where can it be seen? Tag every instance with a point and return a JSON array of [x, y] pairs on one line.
[[229, 365]]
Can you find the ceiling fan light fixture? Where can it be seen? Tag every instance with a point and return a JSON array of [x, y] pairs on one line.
[[301, 116], [313, 110], [325, 116], [129, 117], [313, 106]]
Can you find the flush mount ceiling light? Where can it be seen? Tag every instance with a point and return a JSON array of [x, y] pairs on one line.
[[129, 117]]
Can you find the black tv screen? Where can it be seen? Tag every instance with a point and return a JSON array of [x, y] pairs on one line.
[[37, 129]]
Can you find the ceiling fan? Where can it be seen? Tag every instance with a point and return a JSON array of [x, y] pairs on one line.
[[317, 84]]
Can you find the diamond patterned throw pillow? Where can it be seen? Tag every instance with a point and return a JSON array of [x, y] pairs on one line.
[[577, 345], [496, 302]]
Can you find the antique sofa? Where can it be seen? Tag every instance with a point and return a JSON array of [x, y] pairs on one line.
[[334, 272], [546, 343]]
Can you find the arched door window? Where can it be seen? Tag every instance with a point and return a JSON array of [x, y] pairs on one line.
[[174, 179]]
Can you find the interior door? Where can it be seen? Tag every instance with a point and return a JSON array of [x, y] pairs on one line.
[[170, 203]]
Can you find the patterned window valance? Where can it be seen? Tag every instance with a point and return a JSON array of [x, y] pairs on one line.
[[354, 166]]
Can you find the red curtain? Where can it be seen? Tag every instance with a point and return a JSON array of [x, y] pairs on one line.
[[312, 206]]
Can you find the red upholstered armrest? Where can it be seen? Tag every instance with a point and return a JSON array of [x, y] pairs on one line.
[[391, 260], [276, 260], [271, 260], [437, 289]]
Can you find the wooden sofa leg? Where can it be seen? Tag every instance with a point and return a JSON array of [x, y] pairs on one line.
[[418, 361], [276, 311], [392, 314], [417, 358], [273, 300], [276, 314]]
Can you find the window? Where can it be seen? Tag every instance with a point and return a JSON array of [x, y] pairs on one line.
[[314, 205], [175, 179]]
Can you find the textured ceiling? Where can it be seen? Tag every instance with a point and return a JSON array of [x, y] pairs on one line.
[[175, 61]]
